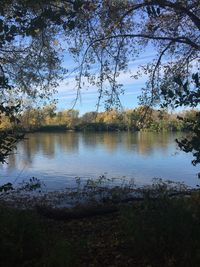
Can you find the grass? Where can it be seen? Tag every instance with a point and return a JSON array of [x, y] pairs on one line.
[[161, 231], [164, 232], [27, 240]]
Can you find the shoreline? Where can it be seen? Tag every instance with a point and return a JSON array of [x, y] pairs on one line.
[[90, 128]]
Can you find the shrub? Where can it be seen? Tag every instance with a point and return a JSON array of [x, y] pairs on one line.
[[164, 231], [26, 240]]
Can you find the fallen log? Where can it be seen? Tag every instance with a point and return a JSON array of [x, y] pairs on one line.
[[112, 206], [76, 213]]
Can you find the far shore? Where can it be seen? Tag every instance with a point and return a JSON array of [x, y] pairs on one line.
[[91, 127]]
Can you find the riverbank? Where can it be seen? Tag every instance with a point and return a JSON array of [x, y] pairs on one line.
[[149, 232], [98, 127]]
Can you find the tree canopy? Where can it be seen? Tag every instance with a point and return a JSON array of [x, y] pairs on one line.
[[104, 36], [113, 33]]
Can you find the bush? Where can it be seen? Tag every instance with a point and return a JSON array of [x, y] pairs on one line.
[[26, 240], [164, 232]]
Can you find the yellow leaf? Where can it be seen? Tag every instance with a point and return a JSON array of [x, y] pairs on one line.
[[56, 42]]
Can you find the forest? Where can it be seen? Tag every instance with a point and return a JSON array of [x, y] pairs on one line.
[[48, 119]]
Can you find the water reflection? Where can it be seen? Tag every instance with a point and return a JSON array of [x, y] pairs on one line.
[[57, 156], [50, 144]]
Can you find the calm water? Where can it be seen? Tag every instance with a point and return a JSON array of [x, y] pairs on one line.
[[57, 158]]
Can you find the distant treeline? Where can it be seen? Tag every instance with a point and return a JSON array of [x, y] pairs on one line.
[[48, 119]]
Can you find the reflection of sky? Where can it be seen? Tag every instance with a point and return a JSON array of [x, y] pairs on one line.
[[57, 158]]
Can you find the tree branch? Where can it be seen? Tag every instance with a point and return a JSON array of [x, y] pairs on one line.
[[182, 39], [162, 3]]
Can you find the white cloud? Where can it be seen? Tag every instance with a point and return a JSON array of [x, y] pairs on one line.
[[89, 94], [69, 85]]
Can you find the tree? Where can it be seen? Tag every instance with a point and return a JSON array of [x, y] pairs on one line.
[[29, 60], [70, 118], [89, 117], [104, 36], [113, 33]]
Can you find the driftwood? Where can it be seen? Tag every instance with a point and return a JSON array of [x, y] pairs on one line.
[[152, 197], [91, 211], [76, 213]]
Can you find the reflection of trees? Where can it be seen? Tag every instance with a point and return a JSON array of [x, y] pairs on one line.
[[112, 141], [109, 140], [51, 144], [44, 144], [47, 143], [67, 141], [31, 145], [12, 161], [142, 142], [130, 141], [25, 148], [148, 141]]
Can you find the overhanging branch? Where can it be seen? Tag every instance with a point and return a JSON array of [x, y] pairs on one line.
[[162, 3], [181, 39]]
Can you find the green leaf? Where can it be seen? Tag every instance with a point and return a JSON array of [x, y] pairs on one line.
[[178, 80]]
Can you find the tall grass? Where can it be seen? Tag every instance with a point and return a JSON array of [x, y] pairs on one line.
[[164, 232], [25, 240]]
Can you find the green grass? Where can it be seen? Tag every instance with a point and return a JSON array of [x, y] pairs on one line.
[[26, 240], [164, 232]]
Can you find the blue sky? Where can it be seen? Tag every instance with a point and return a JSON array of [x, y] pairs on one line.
[[132, 88], [89, 95]]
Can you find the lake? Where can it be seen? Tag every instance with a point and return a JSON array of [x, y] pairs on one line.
[[57, 158]]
